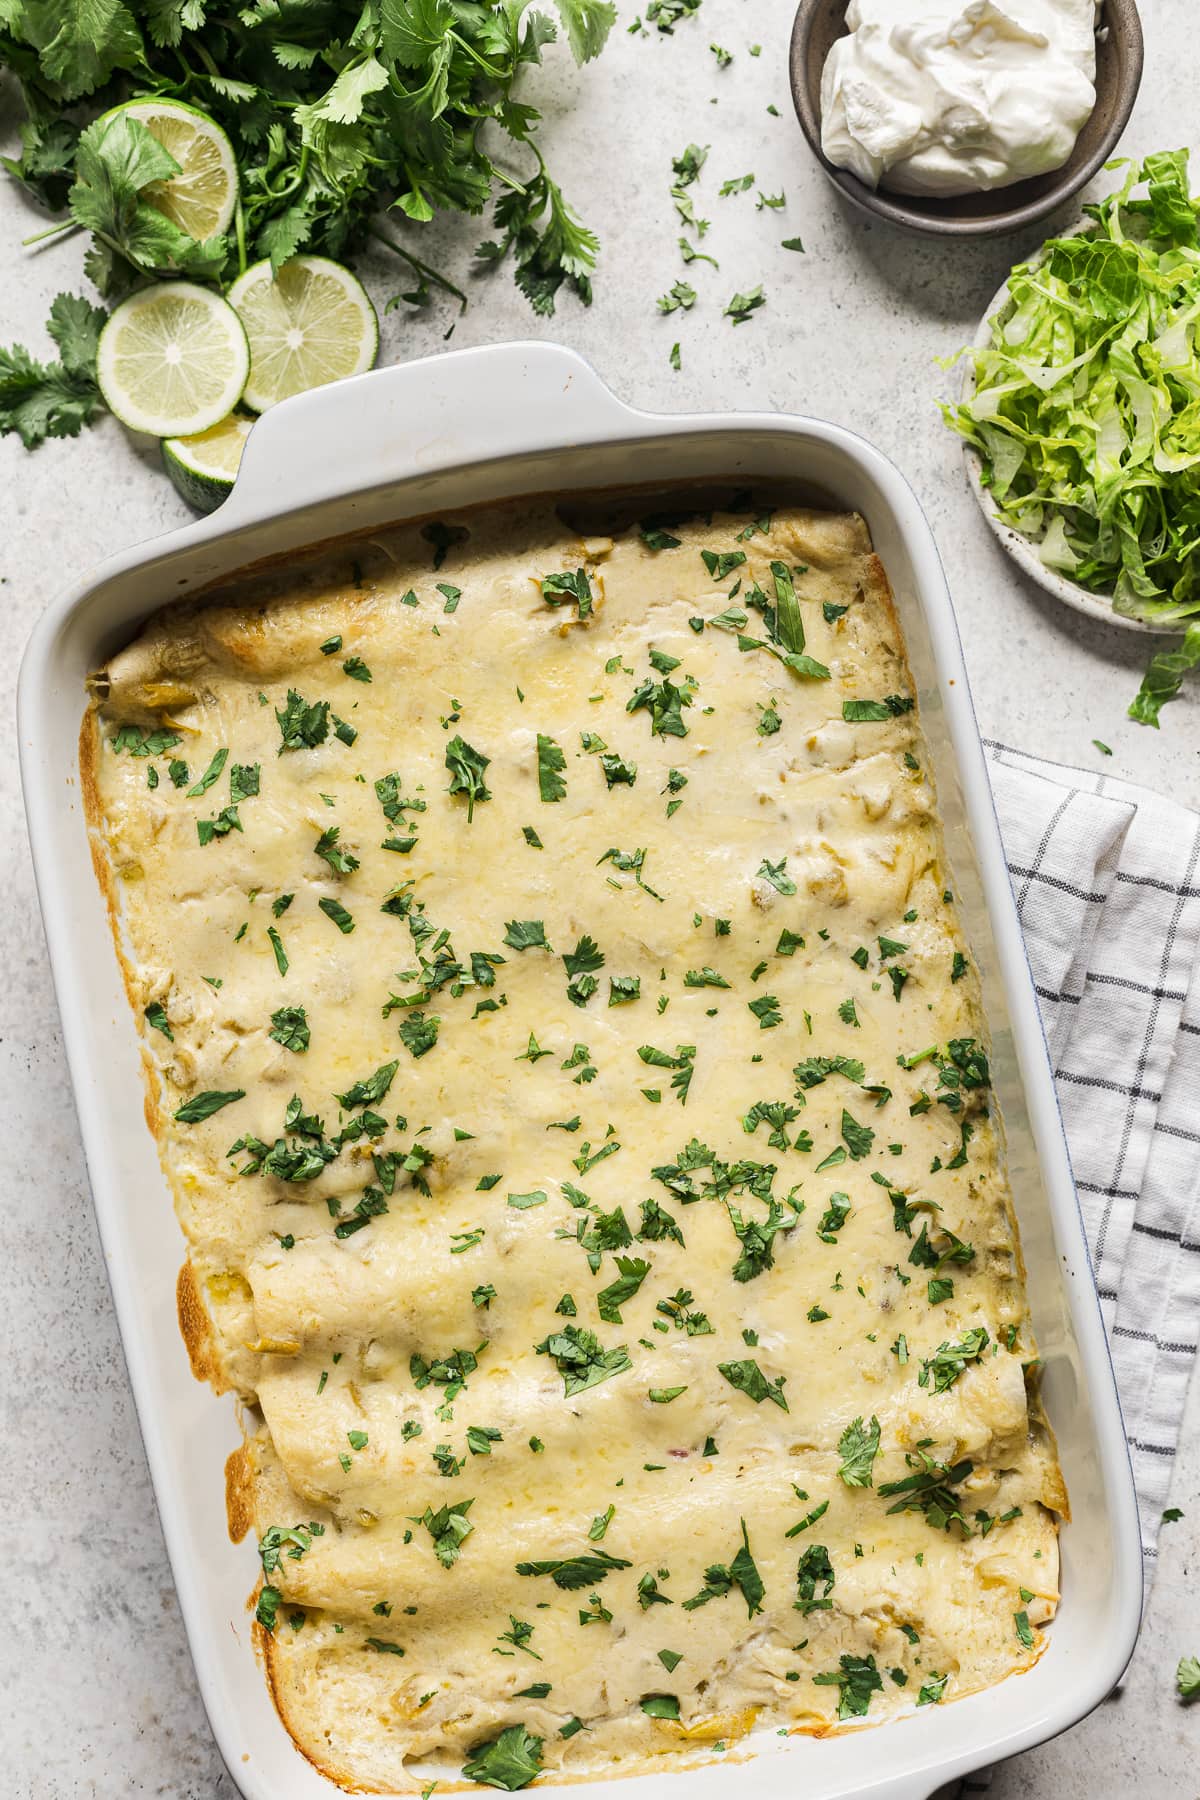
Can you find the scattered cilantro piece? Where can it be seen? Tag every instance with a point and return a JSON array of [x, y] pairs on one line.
[[857, 1679], [573, 1572], [743, 306], [302, 726], [289, 1027], [570, 585], [155, 1016], [333, 909], [748, 1379], [509, 1762], [581, 1358], [858, 1447], [876, 711], [526, 934], [721, 1578], [466, 766], [202, 1106], [680, 294]]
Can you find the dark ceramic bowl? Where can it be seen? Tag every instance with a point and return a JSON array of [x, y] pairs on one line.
[[1119, 53]]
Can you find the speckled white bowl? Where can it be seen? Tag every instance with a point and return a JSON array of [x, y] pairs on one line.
[[1022, 549]]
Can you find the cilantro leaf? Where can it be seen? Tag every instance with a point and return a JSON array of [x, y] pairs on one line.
[[720, 1579], [302, 726], [289, 1027], [876, 711], [371, 1090], [512, 1760], [41, 400], [748, 1379], [116, 159], [449, 1527], [82, 42], [418, 1033], [569, 585], [580, 965], [787, 609], [660, 1706], [631, 1272], [814, 1567], [776, 874], [155, 1016], [466, 766], [327, 848], [743, 306], [858, 1447], [930, 1490], [550, 762], [203, 1106], [572, 1572], [950, 1359], [581, 1358], [526, 934], [857, 1678], [858, 1138]]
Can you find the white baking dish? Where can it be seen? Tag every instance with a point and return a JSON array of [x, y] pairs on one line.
[[430, 437]]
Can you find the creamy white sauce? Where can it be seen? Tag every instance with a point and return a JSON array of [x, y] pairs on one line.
[[942, 97]]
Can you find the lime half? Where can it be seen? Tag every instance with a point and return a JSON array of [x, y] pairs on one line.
[[202, 197], [309, 324], [173, 360], [204, 466]]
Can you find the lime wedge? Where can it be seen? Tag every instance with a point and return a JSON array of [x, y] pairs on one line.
[[204, 467], [202, 197], [173, 360], [309, 324]]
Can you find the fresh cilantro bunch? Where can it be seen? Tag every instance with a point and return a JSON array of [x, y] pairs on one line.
[[336, 112]]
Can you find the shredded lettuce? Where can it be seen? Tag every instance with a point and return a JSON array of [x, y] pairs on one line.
[[1086, 411], [1164, 678]]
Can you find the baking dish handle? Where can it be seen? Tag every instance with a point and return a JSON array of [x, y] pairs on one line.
[[908, 1787], [417, 417]]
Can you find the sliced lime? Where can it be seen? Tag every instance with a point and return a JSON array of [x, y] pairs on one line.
[[173, 360], [201, 199], [204, 466], [309, 324]]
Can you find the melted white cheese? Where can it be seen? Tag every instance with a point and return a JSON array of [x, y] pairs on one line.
[[791, 904]]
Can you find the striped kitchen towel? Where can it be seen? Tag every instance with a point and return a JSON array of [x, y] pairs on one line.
[[1107, 883]]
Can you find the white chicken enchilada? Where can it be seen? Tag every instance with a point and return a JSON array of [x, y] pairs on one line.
[[572, 1081]]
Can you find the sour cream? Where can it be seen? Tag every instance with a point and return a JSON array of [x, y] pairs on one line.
[[942, 97]]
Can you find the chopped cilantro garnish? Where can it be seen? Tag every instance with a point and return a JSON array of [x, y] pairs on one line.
[[550, 762], [748, 1379], [581, 1359], [301, 726], [289, 1027], [526, 934], [333, 909], [857, 1678], [466, 766], [858, 1447]]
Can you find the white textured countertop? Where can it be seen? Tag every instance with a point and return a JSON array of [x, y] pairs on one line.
[[99, 1693]]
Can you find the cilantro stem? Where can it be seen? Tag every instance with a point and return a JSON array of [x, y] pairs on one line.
[[239, 219], [289, 187], [39, 237], [415, 263], [206, 59]]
